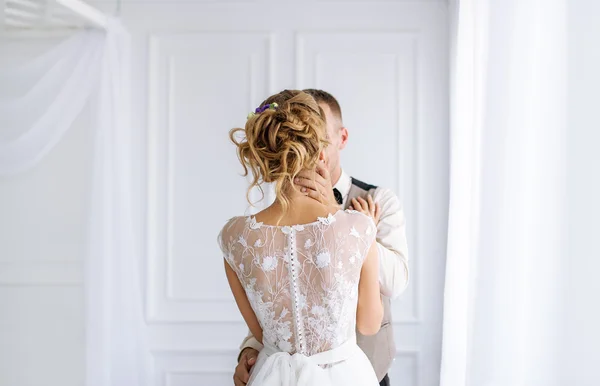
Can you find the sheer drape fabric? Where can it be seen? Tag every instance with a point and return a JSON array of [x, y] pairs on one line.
[[39, 102], [506, 222]]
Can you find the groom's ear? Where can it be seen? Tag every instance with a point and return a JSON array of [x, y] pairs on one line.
[[343, 137]]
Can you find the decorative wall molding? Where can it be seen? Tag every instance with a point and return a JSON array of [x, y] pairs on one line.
[[201, 365], [170, 298]]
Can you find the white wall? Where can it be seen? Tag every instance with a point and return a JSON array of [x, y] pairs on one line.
[[202, 67], [582, 315]]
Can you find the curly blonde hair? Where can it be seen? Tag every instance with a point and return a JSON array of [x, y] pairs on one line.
[[280, 142]]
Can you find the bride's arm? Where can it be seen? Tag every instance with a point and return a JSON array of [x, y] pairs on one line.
[[242, 302], [369, 311]]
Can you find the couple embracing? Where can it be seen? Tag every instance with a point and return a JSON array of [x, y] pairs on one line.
[[313, 274]]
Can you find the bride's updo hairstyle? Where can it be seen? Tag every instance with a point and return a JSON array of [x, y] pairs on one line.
[[283, 136]]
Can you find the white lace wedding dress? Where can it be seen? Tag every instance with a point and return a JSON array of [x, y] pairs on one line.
[[302, 283]]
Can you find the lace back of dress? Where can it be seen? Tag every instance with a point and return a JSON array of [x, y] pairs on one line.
[[302, 280]]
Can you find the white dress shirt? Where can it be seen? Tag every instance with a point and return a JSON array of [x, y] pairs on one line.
[[391, 237]]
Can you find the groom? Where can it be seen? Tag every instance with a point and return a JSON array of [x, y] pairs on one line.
[[381, 204]]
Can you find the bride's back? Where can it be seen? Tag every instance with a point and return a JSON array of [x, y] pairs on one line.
[[301, 280]]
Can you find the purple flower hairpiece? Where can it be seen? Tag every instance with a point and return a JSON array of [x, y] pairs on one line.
[[260, 109]]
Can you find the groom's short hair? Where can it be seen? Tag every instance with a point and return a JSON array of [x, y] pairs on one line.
[[325, 97]]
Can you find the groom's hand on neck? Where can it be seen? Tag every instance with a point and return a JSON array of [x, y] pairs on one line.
[[317, 185]]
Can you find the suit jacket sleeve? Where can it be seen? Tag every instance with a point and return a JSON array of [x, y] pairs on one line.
[[391, 244], [249, 341]]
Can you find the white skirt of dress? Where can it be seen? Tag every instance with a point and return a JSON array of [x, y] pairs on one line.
[[349, 367]]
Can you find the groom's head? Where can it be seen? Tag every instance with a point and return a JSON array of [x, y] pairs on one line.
[[337, 133]]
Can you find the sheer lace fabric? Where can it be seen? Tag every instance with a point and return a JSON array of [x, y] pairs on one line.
[[301, 280]]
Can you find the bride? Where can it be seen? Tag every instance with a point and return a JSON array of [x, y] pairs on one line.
[[304, 275]]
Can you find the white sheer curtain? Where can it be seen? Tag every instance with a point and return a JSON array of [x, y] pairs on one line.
[[38, 103], [504, 275], [40, 100]]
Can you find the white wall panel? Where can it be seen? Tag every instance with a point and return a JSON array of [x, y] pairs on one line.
[[190, 156]]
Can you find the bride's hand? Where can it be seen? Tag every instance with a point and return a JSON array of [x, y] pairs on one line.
[[368, 207]]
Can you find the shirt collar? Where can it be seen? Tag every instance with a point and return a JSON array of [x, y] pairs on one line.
[[344, 184]]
